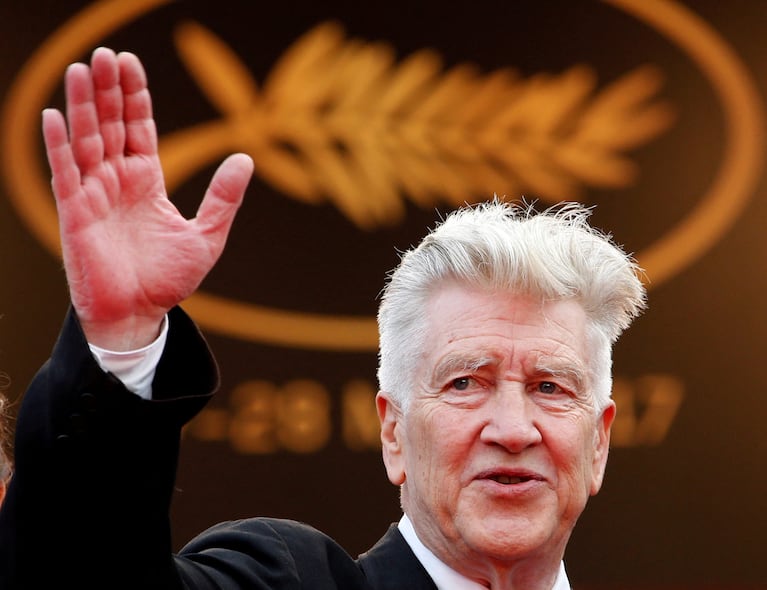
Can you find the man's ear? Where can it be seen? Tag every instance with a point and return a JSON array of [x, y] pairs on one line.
[[601, 446], [390, 417]]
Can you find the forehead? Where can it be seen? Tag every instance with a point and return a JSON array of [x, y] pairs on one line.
[[474, 323]]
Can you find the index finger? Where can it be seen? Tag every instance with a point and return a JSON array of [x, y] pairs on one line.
[[140, 130]]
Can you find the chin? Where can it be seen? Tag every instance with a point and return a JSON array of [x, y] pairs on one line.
[[505, 541]]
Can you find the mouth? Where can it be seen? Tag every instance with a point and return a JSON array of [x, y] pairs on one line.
[[510, 478]]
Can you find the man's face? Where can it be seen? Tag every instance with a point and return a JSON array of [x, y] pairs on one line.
[[501, 445]]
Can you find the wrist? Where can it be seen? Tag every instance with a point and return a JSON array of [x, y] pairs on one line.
[[128, 334]]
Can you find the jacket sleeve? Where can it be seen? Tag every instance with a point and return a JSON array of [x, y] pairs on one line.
[[95, 467]]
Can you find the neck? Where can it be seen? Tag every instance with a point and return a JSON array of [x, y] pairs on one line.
[[528, 572], [521, 575]]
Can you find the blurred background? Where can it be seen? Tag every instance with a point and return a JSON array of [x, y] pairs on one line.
[[367, 121]]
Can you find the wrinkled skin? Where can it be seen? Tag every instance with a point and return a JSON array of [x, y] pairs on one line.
[[128, 253], [501, 445]]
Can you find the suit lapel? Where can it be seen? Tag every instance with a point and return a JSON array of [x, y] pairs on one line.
[[391, 565]]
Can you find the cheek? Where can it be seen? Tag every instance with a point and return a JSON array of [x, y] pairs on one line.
[[439, 444], [592, 468], [573, 448]]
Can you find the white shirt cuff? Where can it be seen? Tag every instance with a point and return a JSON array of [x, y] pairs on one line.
[[135, 368]]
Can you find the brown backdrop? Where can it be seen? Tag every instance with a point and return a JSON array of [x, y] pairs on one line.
[[368, 119]]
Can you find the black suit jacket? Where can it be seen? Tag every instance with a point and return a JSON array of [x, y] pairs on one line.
[[95, 468]]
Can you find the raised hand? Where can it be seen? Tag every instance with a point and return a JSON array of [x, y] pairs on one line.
[[129, 254]]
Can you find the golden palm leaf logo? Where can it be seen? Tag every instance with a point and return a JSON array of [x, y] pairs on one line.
[[339, 120], [348, 122]]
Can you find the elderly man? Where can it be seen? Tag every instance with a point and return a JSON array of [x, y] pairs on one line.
[[495, 359]]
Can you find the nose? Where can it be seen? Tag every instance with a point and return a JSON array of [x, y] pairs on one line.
[[511, 420]]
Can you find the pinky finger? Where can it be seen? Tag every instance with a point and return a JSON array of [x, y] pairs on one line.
[[66, 174]]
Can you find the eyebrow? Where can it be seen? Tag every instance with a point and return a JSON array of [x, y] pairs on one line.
[[558, 367], [460, 363], [463, 363]]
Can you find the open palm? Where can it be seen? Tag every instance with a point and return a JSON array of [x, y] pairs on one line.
[[129, 254]]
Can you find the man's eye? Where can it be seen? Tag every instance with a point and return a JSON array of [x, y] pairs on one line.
[[548, 387], [462, 383]]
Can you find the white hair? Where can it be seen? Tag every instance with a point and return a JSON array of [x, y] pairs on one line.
[[554, 255]]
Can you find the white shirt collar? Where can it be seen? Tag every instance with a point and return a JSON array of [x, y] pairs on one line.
[[443, 575]]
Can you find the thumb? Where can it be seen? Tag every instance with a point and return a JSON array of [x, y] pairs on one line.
[[224, 195]]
